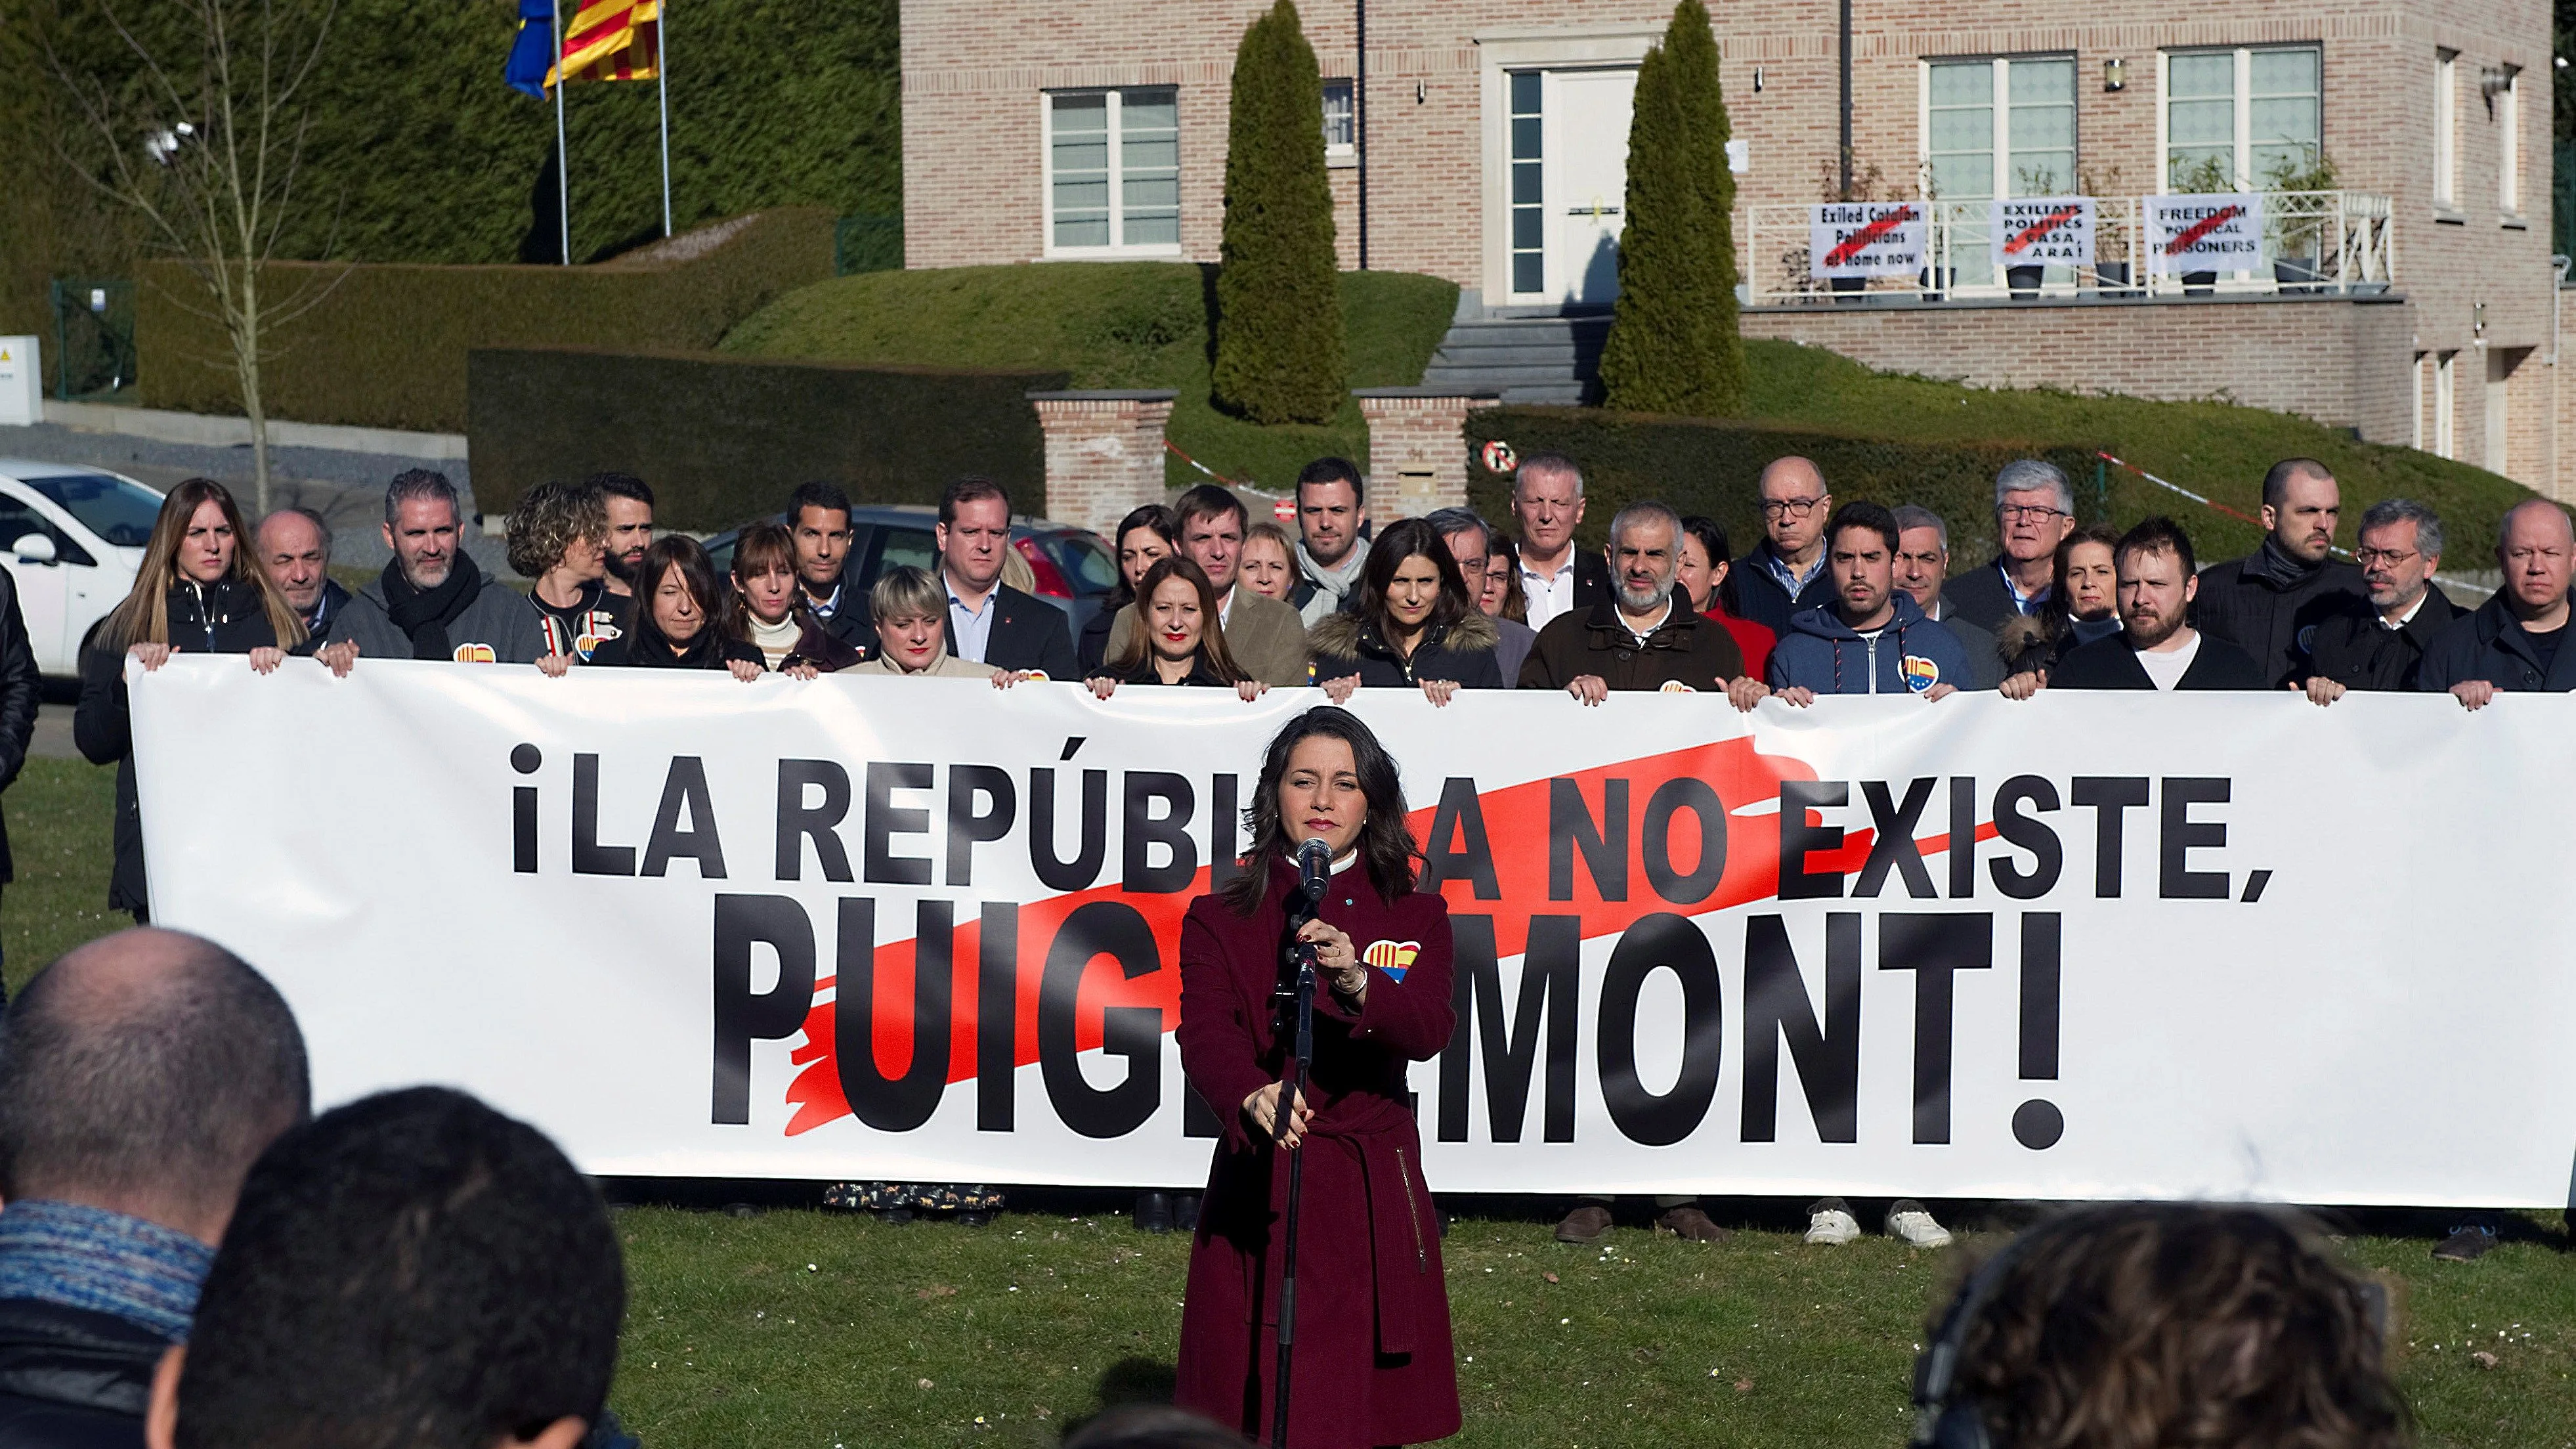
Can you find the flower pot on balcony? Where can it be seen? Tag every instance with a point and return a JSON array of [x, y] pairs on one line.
[[2113, 279], [2024, 281], [1845, 287], [2297, 276], [2199, 284]]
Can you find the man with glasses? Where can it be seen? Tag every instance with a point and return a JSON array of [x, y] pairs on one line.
[[2381, 644], [2513, 642], [2034, 511], [1785, 573], [2270, 602], [1471, 543]]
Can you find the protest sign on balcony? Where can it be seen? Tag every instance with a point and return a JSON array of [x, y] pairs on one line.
[[1867, 238], [2041, 231], [2213, 233]]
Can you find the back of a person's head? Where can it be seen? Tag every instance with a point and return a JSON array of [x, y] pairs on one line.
[[1153, 1426], [2156, 1326], [411, 1271], [144, 1073]]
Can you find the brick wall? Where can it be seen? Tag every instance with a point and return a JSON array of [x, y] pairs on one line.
[[1104, 454], [2351, 354], [976, 71]]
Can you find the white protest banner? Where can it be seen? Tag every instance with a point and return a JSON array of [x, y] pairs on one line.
[[2041, 231], [2084, 946], [2217, 233], [1867, 238]]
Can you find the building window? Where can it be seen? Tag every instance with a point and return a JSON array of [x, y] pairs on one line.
[[1341, 120], [2508, 117], [1113, 161], [1529, 209], [2242, 118], [2002, 127], [2446, 131]]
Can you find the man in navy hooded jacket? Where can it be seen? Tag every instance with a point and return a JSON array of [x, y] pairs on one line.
[[1871, 639]]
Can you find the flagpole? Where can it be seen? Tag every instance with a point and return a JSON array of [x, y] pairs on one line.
[[662, 69], [563, 176]]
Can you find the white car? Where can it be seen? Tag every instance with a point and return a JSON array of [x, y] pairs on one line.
[[72, 540]]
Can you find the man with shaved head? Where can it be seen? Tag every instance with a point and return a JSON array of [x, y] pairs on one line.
[[140, 1076], [1785, 573], [2511, 643], [2270, 602], [295, 549]]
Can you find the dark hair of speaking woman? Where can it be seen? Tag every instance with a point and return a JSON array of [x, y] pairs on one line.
[[1373, 1352]]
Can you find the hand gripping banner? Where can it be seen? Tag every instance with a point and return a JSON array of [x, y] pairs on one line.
[[2084, 946]]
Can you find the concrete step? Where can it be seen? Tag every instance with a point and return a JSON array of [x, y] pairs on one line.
[[1545, 359]]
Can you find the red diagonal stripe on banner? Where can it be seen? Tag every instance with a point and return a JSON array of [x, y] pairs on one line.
[[2022, 239], [1516, 822], [2201, 228], [1860, 240]]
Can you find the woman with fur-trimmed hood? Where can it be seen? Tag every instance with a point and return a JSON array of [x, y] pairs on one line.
[[1410, 622]]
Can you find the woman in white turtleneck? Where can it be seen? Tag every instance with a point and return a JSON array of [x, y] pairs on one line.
[[768, 610]]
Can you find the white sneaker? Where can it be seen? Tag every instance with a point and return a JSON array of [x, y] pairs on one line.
[[1907, 1219], [1830, 1222]]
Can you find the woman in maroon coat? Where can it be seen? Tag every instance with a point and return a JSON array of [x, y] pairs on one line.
[[1373, 1362]]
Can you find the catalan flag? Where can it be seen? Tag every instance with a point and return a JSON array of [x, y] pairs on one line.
[[606, 40], [613, 40]]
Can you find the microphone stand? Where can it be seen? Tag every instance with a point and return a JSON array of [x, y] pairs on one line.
[[1302, 954]]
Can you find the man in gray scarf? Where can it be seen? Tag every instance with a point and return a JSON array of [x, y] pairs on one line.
[[1330, 551]]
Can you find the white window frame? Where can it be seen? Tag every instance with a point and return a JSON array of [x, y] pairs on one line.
[[2245, 179], [2509, 145], [1347, 153], [1118, 247], [2005, 185], [2446, 132], [2445, 397], [2415, 425]]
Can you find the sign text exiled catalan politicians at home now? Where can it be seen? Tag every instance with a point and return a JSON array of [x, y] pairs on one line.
[[2082, 946], [1867, 238], [2041, 231], [2215, 233]]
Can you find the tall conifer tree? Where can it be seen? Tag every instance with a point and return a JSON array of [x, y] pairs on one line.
[[1674, 344], [1279, 316]]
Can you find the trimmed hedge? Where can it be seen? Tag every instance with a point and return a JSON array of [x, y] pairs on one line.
[[722, 439], [386, 346], [1705, 466]]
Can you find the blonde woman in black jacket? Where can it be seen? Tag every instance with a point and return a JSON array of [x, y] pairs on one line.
[[200, 591]]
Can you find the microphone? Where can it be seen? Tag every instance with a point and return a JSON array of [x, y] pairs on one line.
[[1314, 868]]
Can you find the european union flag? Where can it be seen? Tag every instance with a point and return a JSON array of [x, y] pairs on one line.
[[532, 53]]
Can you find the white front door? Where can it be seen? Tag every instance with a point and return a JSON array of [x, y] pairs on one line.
[[1586, 173]]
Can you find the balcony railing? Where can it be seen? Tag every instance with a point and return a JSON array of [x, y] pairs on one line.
[[2305, 243]]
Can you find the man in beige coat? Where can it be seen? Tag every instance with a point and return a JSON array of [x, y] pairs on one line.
[[1264, 635]]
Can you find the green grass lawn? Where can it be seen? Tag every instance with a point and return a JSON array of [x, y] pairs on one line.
[[60, 813], [2213, 448], [799, 1328], [1111, 325]]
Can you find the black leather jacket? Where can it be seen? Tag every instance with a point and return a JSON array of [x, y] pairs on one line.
[[71, 1378]]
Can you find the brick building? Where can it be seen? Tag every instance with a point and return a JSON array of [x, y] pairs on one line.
[[1485, 140]]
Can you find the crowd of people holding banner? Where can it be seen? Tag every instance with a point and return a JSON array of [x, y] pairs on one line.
[[166, 1184], [1834, 598]]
